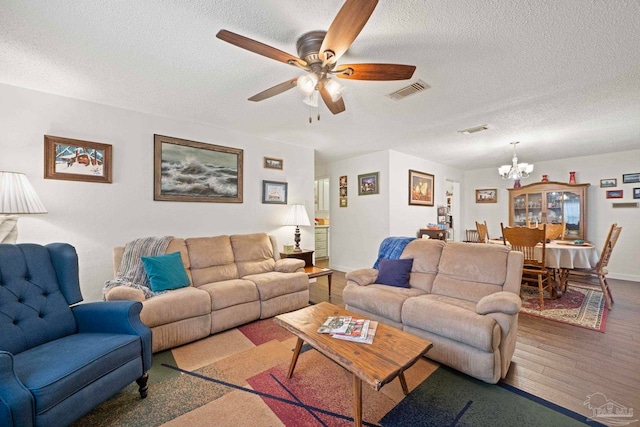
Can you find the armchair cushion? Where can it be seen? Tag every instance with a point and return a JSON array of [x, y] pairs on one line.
[[165, 272], [363, 276], [289, 265]]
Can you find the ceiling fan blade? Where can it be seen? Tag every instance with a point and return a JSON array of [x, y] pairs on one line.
[[374, 71], [345, 28], [273, 91], [259, 48], [335, 107]]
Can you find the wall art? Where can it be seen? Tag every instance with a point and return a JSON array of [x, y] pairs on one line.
[[189, 171], [75, 160], [274, 192], [271, 163], [487, 195], [368, 184], [421, 186]]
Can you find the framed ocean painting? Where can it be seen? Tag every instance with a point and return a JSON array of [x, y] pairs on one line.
[[189, 171]]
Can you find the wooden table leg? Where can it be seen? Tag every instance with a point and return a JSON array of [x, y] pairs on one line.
[[329, 282], [403, 383], [357, 401], [294, 359]]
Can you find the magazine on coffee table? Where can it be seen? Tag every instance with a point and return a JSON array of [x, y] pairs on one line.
[[335, 325], [367, 333]]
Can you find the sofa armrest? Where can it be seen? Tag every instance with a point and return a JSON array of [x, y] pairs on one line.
[[119, 317], [499, 302], [124, 293], [17, 407], [363, 276], [289, 265]]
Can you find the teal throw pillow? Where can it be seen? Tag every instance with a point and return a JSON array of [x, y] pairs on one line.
[[394, 272], [165, 272]]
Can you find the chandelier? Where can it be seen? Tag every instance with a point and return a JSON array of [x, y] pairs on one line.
[[515, 170]]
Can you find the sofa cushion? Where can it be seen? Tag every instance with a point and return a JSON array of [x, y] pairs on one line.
[[253, 253], [175, 305], [470, 272], [275, 284], [86, 356], [211, 259], [452, 318], [426, 256], [394, 272], [381, 300], [228, 293], [165, 272]]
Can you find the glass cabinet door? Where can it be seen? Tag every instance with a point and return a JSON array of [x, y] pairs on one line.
[[534, 208], [571, 209], [520, 210]]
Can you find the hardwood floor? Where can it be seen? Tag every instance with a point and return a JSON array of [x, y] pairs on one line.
[[561, 363]]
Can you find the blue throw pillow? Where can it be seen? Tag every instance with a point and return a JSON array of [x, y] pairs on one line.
[[394, 272], [165, 272]]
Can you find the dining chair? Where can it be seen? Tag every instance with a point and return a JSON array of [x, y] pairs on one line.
[[531, 242], [600, 271], [472, 236], [483, 232], [555, 231]]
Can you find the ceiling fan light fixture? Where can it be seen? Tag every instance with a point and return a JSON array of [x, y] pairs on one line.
[[311, 99], [334, 88], [307, 83]]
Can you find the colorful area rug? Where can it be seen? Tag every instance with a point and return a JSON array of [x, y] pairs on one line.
[[578, 306], [239, 378]]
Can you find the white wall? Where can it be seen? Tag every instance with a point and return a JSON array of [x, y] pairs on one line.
[[589, 169], [96, 217], [358, 229]]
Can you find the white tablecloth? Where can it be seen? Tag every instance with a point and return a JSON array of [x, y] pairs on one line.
[[570, 256]]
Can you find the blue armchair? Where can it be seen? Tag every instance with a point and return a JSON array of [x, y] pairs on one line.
[[60, 359]]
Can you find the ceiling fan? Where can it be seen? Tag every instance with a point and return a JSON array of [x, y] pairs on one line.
[[318, 53]]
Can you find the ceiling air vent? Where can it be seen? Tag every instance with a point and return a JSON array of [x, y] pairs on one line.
[[416, 87], [474, 130]]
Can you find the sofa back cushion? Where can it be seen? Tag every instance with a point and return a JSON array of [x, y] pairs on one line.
[[211, 259], [33, 305], [253, 253], [470, 271], [426, 257]]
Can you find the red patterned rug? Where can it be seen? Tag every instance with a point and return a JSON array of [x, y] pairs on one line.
[[578, 306]]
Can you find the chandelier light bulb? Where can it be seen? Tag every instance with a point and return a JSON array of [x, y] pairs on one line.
[[307, 83], [334, 88]]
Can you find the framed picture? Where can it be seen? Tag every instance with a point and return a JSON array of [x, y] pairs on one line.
[[614, 194], [75, 160], [609, 182], [343, 191], [274, 192], [636, 193], [420, 188], [343, 181], [630, 178], [368, 184], [487, 195], [189, 171], [271, 163], [343, 202]]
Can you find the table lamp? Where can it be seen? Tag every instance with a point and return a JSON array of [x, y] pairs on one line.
[[17, 196], [297, 216]]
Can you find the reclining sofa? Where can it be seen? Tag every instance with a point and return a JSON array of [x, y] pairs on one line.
[[233, 280], [58, 358], [462, 297]]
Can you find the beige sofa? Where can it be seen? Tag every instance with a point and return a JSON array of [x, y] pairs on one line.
[[463, 297], [234, 280]]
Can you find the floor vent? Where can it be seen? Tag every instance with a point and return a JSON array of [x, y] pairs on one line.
[[416, 87]]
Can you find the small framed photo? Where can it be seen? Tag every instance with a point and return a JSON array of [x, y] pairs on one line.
[[630, 178], [75, 160], [368, 184], [421, 188], [343, 191], [608, 182], [271, 163], [636, 193], [343, 181], [343, 202], [274, 192], [614, 194], [487, 195]]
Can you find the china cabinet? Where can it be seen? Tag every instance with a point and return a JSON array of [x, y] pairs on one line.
[[551, 202]]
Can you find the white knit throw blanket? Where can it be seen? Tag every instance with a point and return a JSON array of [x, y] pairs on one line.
[[131, 272]]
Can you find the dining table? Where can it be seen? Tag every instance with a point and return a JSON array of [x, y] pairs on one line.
[[564, 256]]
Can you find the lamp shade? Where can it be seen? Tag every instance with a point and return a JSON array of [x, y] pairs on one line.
[[297, 215], [17, 196]]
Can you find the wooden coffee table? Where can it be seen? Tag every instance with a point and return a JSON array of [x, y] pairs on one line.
[[314, 272], [392, 351]]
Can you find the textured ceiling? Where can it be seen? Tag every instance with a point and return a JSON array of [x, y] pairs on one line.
[[562, 77]]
